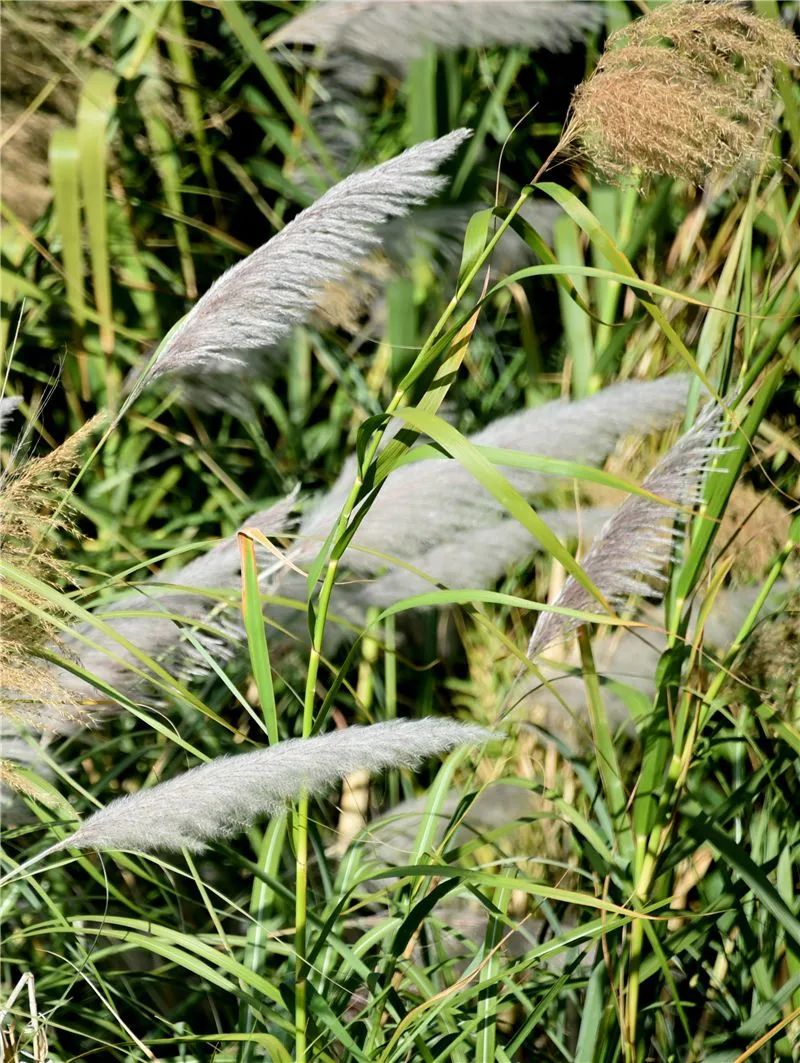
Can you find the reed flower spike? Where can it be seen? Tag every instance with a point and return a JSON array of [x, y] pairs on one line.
[[30, 619], [685, 92], [360, 29], [261, 299], [158, 616], [630, 555], [224, 796], [427, 505]]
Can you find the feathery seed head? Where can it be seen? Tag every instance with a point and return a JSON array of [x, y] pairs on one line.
[[29, 619], [258, 301], [631, 553], [361, 29], [188, 600], [685, 91], [224, 796]]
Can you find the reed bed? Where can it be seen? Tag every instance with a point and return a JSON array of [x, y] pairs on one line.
[[399, 527]]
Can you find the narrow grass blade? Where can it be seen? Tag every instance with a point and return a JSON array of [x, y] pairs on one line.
[[64, 177], [256, 633], [95, 110], [577, 326], [499, 487]]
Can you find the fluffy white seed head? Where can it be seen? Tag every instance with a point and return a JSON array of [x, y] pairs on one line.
[[630, 555], [224, 796], [389, 36], [427, 505], [258, 301]]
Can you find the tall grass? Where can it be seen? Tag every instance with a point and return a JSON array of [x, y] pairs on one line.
[[614, 876]]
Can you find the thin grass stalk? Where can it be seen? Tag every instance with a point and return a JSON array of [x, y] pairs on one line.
[[321, 615], [261, 894], [649, 850], [489, 977], [607, 762], [390, 688], [773, 575], [691, 724]]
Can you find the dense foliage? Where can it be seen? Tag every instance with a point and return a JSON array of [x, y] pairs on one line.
[[614, 875]]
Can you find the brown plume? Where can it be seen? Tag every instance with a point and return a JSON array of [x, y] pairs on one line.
[[685, 91], [29, 513]]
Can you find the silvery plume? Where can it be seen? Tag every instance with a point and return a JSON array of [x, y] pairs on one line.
[[158, 618], [257, 302], [388, 37], [425, 506], [339, 116], [7, 407], [18, 752], [630, 556], [353, 37], [224, 796], [430, 515], [479, 557]]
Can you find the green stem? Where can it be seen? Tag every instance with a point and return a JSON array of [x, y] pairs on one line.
[[301, 831], [610, 774], [680, 764]]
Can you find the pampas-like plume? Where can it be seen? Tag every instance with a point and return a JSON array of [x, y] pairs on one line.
[[630, 555], [31, 508], [7, 407], [224, 796], [389, 36], [430, 515], [684, 91], [260, 299], [479, 557], [167, 612], [429, 504]]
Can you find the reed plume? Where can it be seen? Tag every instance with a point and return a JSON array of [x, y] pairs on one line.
[[685, 91], [224, 796], [32, 510], [479, 557], [158, 617], [388, 37], [429, 515], [629, 557], [259, 300], [427, 505], [17, 753]]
